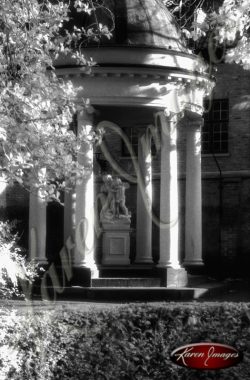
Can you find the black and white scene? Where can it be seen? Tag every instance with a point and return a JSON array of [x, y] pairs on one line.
[[124, 189]]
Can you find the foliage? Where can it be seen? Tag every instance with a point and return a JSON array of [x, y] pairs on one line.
[[131, 342], [37, 143], [13, 265], [231, 25], [185, 11], [213, 24], [36, 107], [223, 24]]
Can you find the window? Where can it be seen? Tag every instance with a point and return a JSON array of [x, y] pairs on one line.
[[133, 134], [215, 130]]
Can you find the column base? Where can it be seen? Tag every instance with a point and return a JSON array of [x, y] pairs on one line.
[[40, 262], [81, 276], [193, 262], [194, 266], [171, 277], [54, 281], [56, 275], [143, 261]]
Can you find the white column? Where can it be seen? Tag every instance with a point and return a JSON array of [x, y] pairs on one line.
[[193, 218], [3, 190], [84, 210], [144, 202], [169, 218], [69, 215], [37, 226]]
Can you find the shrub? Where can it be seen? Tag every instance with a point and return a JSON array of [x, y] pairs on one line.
[[13, 265], [132, 342]]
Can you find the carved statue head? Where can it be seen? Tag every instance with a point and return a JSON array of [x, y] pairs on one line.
[[117, 181], [107, 178]]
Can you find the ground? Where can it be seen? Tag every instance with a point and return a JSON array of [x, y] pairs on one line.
[[237, 291]]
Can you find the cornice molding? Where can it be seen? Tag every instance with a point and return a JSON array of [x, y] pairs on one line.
[[166, 76]]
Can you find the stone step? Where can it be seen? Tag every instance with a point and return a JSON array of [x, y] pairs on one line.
[[121, 294], [131, 294], [126, 282]]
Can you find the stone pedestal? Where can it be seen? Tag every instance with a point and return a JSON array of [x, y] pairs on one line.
[[173, 278], [116, 242]]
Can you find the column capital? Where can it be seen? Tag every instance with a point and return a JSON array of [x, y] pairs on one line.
[[194, 119], [86, 109], [84, 116], [168, 121], [170, 115]]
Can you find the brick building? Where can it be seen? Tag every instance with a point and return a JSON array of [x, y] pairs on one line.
[[226, 177]]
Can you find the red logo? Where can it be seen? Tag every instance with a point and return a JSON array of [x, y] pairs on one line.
[[206, 356]]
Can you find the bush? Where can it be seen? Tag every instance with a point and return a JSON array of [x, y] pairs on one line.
[[13, 266], [132, 342]]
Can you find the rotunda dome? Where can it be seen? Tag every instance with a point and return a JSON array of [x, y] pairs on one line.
[[137, 23]]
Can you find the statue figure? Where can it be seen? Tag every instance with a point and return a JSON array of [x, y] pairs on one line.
[[119, 189], [113, 199], [108, 200]]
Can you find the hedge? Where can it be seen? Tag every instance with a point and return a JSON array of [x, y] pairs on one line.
[[129, 342]]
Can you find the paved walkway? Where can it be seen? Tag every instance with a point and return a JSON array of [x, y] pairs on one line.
[[236, 292]]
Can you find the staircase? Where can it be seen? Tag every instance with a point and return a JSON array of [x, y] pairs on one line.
[[131, 289], [126, 282]]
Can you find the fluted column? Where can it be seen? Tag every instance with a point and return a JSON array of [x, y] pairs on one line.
[[172, 274], [3, 190], [69, 215], [169, 218], [144, 202], [84, 199], [193, 218], [37, 224]]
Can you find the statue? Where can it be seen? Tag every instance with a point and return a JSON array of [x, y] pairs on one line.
[[108, 200], [119, 190], [115, 220], [113, 199]]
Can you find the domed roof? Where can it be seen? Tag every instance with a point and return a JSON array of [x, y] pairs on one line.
[[138, 23]]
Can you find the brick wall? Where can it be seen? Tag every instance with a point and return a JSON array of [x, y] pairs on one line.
[[233, 82]]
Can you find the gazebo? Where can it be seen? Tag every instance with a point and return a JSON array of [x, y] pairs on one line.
[[144, 78]]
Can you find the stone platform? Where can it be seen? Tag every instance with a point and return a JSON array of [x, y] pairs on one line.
[[134, 293]]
